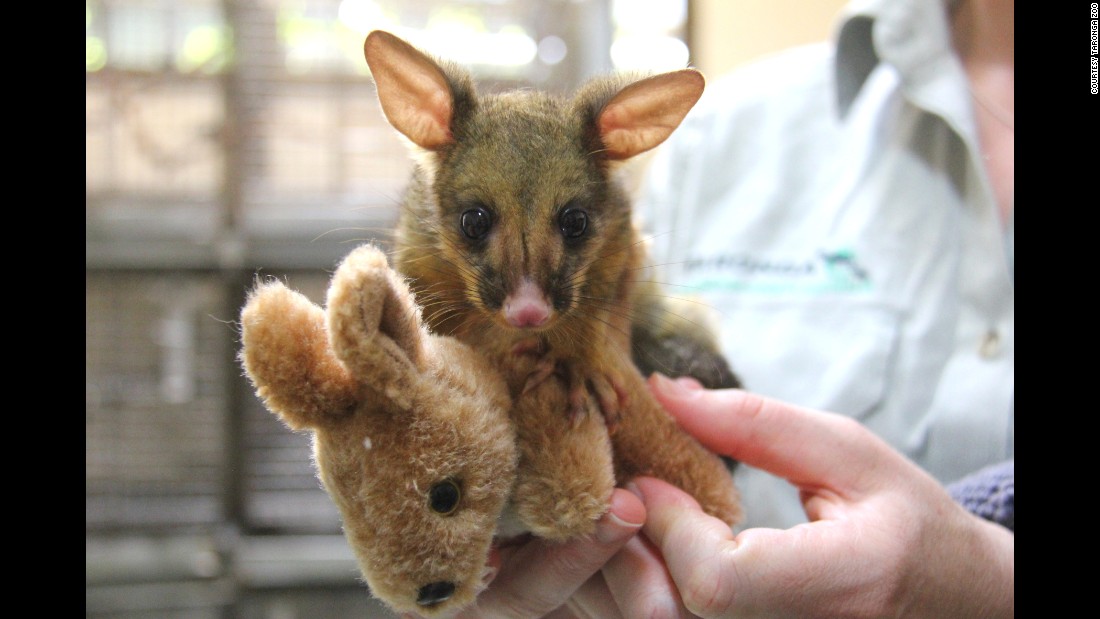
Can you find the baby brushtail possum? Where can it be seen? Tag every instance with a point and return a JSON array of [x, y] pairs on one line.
[[517, 240]]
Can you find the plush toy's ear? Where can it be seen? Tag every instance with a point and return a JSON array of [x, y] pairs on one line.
[[644, 113], [418, 95], [287, 356], [375, 325]]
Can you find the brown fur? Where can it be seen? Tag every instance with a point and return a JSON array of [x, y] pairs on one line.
[[524, 157], [396, 411], [393, 411]]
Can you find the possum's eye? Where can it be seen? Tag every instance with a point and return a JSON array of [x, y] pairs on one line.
[[476, 222], [573, 222], [444, 496]]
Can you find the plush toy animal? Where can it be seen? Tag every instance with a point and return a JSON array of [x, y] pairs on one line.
[[411, 432], [414, 439]]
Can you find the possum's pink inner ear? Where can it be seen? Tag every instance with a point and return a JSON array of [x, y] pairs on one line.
[[412, 89], [645, 113]]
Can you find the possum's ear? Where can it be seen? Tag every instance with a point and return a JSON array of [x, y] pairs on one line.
[[643, 114], [419, 95]]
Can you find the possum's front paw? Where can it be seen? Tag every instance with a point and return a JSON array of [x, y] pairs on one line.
[[594, 389], [592, 386]]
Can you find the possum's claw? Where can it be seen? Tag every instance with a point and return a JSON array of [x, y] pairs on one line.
[[611, 396], [543, 369], [591, 390], [578, 405]]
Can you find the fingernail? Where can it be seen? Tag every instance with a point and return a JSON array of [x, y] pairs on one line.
[[633, 488], [612, 528], [665, 386], [690, 383], [488, 574]]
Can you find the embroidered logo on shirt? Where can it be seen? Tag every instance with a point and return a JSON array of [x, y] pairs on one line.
[[824, 272]]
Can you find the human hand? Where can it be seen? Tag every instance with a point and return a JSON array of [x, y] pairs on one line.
[[534, 578], [884, 538]]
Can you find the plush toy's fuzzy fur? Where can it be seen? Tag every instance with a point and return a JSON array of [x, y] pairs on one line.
[[396, 412], [397, 415]]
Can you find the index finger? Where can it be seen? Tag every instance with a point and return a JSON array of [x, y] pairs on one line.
[[809, 448]]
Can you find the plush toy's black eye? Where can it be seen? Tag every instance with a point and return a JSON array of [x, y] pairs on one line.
[[476, 222], [573, 222], [444, 497]]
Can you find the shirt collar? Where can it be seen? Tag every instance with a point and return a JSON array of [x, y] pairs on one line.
[[914, 37]]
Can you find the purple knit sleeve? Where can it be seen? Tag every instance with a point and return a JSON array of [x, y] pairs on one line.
[[989, 493]]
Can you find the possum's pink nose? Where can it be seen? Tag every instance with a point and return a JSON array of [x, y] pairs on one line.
[[526, 307]]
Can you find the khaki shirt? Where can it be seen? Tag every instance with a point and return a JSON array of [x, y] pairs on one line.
[[833, 210]]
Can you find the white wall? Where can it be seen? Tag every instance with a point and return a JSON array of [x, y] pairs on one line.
[[727, 33]]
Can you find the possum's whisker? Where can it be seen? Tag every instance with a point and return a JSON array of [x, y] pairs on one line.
[[378, 232]]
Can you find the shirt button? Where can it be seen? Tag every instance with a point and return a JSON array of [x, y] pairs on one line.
[[990, 347]]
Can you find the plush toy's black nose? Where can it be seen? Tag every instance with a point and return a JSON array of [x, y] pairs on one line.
[[434, 593]]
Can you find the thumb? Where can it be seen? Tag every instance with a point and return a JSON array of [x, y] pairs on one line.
[[757, 573], [539, 576]]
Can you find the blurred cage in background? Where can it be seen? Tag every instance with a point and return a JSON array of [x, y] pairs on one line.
[[227, 140]]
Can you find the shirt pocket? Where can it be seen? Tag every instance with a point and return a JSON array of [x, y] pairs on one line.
[[830, 353]]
